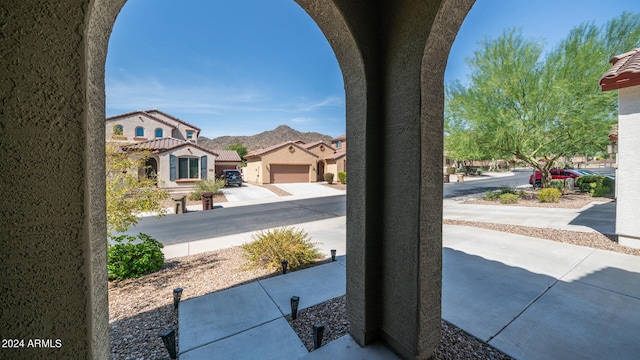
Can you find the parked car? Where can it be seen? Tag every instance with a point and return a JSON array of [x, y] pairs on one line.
[[231, 177], [556, 174]]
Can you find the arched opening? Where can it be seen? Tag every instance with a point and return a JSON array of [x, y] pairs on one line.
[[349, 30], [151, 168]]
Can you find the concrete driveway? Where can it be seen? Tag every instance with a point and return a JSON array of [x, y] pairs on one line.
[[307, 190], [247, 192]]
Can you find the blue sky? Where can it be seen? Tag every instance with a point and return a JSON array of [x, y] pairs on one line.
[[241, 67]]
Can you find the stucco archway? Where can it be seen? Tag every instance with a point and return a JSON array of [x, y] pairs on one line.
[[53, 121]]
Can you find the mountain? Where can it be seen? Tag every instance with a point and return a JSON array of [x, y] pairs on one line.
[[272, 137]]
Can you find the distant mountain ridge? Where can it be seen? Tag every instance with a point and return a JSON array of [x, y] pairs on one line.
[[264, 139]]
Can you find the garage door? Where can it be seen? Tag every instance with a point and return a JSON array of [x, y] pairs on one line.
[[281, 174]]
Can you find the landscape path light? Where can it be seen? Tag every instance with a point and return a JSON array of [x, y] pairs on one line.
[[295, 300], [318, 330], [177, 294], [285, 264], [169, 340], [333, 254]]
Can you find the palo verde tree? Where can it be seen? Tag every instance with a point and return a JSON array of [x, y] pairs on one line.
[[520, 103], [240, 149], [128, 192]]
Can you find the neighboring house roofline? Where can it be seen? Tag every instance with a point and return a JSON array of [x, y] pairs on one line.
[[159, 146], [337, 155], [317, 143], [227, 155], [625, 71], [147, 113], [342, 137], [193, 127], [140, 113], [262, 152]]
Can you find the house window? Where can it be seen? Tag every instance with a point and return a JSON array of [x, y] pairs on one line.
[[118, 130], [338, 144], [158, 133], [139, 132], [188, 168], [189, 135]]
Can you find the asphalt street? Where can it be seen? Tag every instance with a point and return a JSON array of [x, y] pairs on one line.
[[172, 229]]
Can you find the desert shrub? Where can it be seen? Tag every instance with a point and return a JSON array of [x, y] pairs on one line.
[[128, 260], [595, 185], [342, 177], [204, 186], [504, 190], [509, 198], [328, 177], [451, 170], [491, 195], [549, 195], [268, 248]]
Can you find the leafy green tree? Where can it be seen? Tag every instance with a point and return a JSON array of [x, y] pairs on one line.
[[239, 148], [129, 193], [519, 104]]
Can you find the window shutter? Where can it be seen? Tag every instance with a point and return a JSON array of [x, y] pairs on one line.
[[172, 168], [203, 168]]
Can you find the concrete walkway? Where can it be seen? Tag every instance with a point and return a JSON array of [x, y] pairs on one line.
[[530, 298]]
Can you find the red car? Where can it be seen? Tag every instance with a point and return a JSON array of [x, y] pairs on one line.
[[555, 174]]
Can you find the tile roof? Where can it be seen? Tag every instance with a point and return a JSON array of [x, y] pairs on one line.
[[227, 155], [269, 149], [337, 155], [342, 137], [625, 71], [157, 146]]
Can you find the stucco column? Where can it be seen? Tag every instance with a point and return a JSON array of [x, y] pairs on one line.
[[393, 56], [53, 287], [628, 178]]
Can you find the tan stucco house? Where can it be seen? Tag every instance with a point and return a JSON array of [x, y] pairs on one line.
[[293, 161], [176, 158]]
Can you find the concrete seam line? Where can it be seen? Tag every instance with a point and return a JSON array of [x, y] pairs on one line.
[[539, 296]]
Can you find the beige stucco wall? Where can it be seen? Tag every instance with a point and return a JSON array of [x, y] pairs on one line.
[[335, 166], [628, 175], [129, 125], [253, 172]]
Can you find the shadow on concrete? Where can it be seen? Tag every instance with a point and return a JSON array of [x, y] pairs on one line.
[[594, 314], [599, 217]]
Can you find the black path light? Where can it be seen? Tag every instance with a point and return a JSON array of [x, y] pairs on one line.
[[177, 294], [333, 254], [295, 300], [318, 330], [285, 264], [169, 340]]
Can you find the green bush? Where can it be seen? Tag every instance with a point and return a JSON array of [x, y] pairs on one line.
[[128, 260], [328, 177], [549, 195], [204, 186], [595, 185], [342, 177], [270, 247], [491, 195], [505, 190], [451, 170], [508, 198]]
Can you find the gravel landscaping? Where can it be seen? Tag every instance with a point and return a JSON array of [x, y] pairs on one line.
[[141, 309]]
